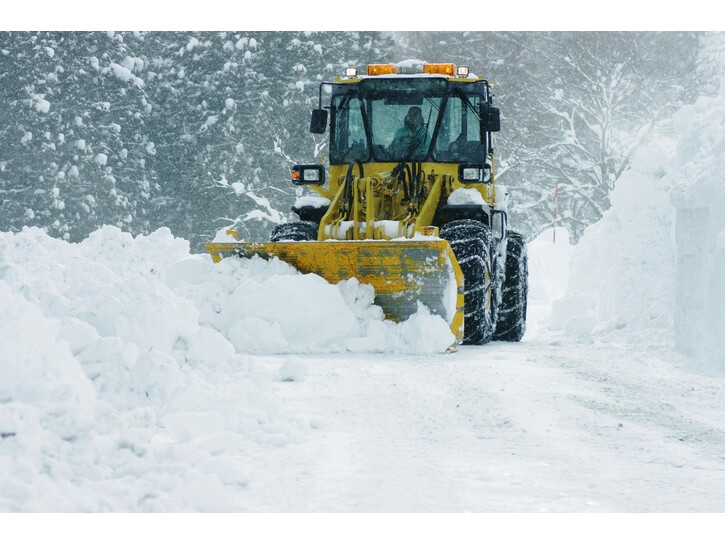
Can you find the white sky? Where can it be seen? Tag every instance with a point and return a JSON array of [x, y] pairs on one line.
[[378, 15]]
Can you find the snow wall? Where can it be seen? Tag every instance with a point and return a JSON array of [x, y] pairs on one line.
[[652, 270]]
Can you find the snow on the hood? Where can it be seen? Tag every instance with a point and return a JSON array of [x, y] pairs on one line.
[[313, 201], [466, 196]]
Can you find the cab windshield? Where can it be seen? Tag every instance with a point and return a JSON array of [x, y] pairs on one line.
[[416, 119]]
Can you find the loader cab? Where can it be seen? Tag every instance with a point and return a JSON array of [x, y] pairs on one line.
[[368, 120]]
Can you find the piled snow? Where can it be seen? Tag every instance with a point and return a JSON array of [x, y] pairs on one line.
[[466, 196], [699, 198], [651, 270], [623, 267], [312, 200], [121, 348], [149, 291], [549, 256]]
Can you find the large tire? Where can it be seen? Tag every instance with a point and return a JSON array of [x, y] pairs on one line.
[[511, 324], [297, 231], [472, 243]]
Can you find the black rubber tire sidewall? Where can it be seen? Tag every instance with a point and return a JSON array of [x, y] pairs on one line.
[[472, 244], [511, 324], [296, 231]]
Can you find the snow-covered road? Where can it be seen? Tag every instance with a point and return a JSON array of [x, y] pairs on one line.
[[541, 426], [136, 377]]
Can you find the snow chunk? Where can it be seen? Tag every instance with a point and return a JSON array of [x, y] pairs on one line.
[[466, 196], [222, 236], [292, 370], [318, 316], [124, 74], [313, 201], [41, 104]]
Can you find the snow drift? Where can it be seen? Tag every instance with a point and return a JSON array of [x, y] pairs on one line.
[[622, 269], [105, 341], [650, 271], [151, 294], [699, 197]]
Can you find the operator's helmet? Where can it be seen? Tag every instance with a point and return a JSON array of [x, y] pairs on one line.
[[414, 118]]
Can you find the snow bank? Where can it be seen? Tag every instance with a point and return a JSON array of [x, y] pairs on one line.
[[136, 376], [651, 270], [150, 292], [622, 269], [269, 307], [699, 198], [127, 380], [549, 258]]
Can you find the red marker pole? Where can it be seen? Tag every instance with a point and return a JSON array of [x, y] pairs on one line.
[[556, 200]]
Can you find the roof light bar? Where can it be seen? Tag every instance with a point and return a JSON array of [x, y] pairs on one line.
[[443, 68], [350, 71], [381, 69], [413, 67]]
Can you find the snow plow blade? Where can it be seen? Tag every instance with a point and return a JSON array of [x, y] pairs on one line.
[[403, 272]]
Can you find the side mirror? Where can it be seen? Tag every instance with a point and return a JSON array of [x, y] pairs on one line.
[[490, 118], [318, 124], [308, 174]]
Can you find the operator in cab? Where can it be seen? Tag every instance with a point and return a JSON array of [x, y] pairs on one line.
[[411, 141]]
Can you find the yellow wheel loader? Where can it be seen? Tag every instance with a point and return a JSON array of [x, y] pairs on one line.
[[411, 206]]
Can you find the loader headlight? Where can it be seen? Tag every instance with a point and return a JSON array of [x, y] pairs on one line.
[[499, 222], [474, 173], [308, 174]]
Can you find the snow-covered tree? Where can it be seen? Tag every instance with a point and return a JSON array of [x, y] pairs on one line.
[[574, 107], [193, 131], [74, 145], [198, 130], [607, 96]]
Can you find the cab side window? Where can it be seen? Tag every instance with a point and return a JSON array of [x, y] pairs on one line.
[[459, 135]]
